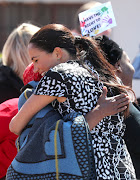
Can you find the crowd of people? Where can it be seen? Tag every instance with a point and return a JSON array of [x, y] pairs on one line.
[[89, 76]]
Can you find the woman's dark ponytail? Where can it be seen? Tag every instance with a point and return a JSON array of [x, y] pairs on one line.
[[88, 49]]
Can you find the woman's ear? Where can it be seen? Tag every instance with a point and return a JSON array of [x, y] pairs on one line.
[[58, 52], [118, 67]]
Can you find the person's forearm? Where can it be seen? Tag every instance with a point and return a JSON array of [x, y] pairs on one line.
[[21, 119], [33, 105], [94, 117]]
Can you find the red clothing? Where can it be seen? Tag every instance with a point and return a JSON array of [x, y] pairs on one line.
[[8, 150], [8, 110], [29, 74]]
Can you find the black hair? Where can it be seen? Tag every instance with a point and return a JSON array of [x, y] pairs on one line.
[[89, 47], [54, 35], [111, 49]]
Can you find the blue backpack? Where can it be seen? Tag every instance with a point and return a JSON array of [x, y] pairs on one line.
[[51, 147]]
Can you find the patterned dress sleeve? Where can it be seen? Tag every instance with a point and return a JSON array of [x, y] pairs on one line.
[[52, 84]]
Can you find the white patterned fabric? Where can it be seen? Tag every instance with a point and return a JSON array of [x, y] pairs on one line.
[[82, 91]]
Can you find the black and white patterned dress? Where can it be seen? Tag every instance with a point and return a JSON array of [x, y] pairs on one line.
[[82, 91]]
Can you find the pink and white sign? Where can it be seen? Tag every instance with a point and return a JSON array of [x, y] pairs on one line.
[[97, 20]]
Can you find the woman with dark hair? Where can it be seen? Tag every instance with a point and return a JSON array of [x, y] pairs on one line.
[[125, 70], [76, 72]]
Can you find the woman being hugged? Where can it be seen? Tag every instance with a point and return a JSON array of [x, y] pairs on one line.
[[75, 73]]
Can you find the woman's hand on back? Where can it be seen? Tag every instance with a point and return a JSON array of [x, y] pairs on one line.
[[112, 105], [106, 106]]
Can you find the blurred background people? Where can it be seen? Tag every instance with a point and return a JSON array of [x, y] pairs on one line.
[[125, 70], [14, 61]]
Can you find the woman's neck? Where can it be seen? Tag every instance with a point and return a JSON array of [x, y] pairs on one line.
[[66, 56]]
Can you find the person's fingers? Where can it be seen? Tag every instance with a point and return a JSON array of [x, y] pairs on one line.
[[125, 103], [117, 97], [122, 109], [124, 99], [104, 93]]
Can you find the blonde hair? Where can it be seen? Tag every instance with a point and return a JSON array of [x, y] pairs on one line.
[[14, 53]]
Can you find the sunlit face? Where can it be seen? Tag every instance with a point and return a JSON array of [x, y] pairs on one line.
[[42, 60], [127, 70]]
